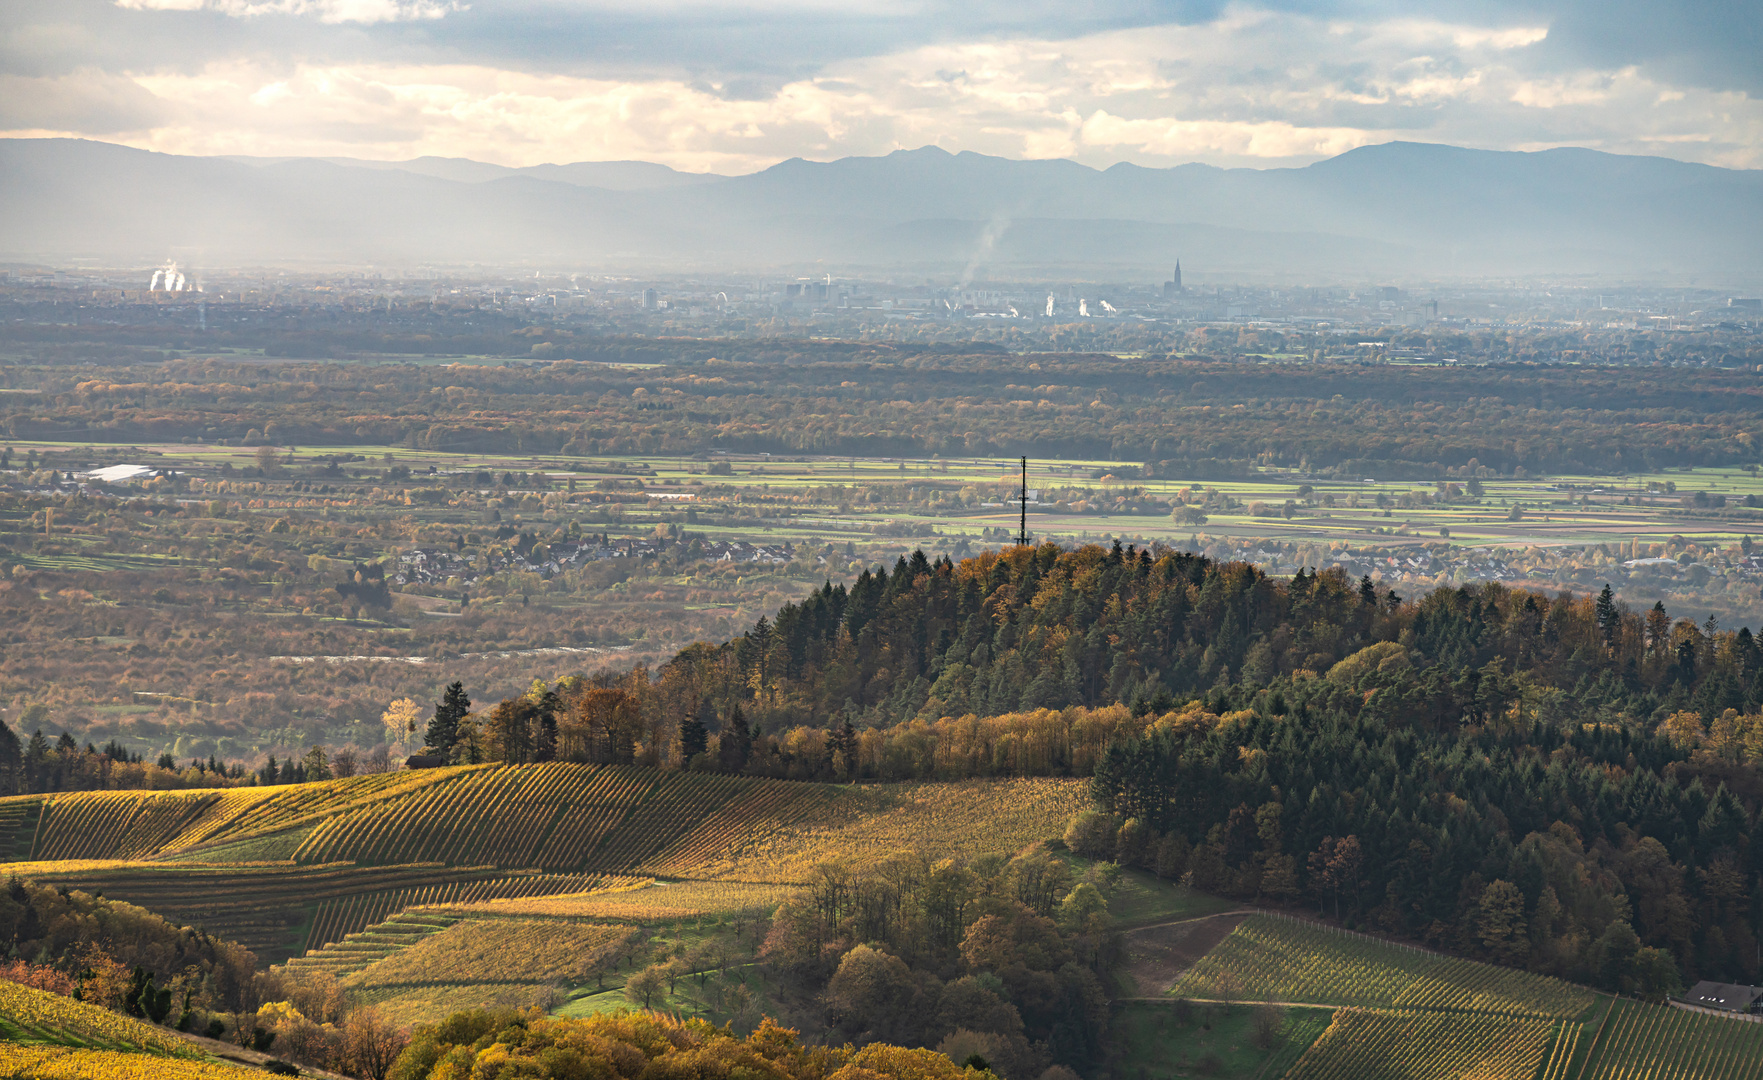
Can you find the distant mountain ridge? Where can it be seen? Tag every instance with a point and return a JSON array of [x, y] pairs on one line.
[[1407, 208]]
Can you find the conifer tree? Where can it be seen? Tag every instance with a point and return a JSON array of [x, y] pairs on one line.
[[1608, 618], [736, 744], [693, 737], [443, 729], [11, 762]]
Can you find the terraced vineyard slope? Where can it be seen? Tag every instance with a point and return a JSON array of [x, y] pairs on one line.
[[90, 825], [566, 817], [1270, 957]]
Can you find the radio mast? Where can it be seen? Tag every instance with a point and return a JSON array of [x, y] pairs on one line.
[[1022, 527]]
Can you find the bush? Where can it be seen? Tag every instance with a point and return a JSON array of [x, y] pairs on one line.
[[1091, 835]]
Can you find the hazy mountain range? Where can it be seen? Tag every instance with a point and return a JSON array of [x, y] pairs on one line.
[[1398, 208]]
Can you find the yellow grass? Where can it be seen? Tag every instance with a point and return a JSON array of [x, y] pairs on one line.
[[498, 950]]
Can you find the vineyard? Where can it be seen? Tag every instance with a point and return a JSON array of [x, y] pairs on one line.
[[63, 1063], [937, 821], [1284, 959], [280, 911], [336, 919], [656, 902], [36, 1016], [1375, 1044], [498, 951], [1662, 1043], [424, 1004], [359, 951], [565, 817], [91, 825]]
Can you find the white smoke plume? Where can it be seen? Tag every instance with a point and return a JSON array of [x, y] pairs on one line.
[[1083, 308], [1049, 305], [982, 252]]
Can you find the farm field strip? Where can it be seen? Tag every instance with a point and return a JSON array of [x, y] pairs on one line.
[[582, 825], [497, 951], [671, 807], [163, 824], [937, 820], [421, 1004], [1662, 1043], [1376, 1044], [1286, 959], [114, 824], [652, 903], [561, 817], [337, 918], [291, 806], [744, 819]]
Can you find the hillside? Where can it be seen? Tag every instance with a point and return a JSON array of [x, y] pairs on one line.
[[48, 1036], [1399, 1013], [1396, 208], [290, 868], [1413, 763]]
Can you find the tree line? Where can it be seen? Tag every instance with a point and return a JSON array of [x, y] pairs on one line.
[[1222, 418]]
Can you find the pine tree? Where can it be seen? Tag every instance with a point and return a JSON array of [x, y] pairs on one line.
[[11, 762], [443, 730], [736, 744], [694, 738], [1608, 619]]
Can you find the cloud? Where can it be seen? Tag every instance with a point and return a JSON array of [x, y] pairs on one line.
[[1242, 86], [87, 102], [326, 11]]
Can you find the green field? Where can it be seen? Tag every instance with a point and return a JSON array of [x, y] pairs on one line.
[[1557, 510]]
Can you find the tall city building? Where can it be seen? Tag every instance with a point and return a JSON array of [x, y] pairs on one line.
[[1172, 287]]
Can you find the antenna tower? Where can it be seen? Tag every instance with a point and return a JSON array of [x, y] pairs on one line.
[[1022, 527]]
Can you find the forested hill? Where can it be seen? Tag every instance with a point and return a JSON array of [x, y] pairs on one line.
[[1550, 782], [1047, 628]]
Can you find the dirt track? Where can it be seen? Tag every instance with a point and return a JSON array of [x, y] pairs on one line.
[[1157, 955]]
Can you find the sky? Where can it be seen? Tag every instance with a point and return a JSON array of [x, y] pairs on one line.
[[732, 87]]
